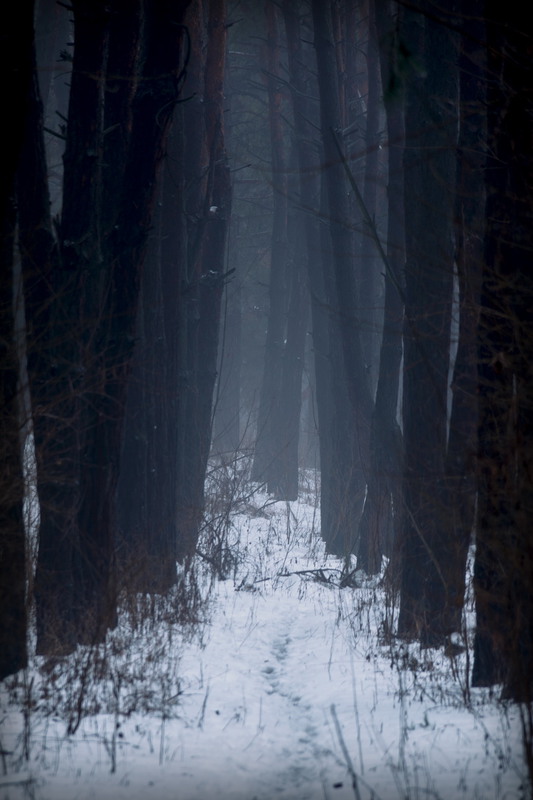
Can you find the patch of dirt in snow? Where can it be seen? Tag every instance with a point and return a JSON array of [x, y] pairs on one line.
[[289, 696]]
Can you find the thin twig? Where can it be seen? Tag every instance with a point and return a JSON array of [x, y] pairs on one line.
[[351, 770]]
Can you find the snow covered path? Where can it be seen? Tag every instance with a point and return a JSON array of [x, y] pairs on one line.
[[288, 695]]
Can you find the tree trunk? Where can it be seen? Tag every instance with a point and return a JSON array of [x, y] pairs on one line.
[[265, 456], [383, 498], [459, 490], [203, 290], [370, 266], [345, 299], [430, 134], [17, 62], [146, 487], [503, 574], [340, 498], [227, 422], [71, 297], [111, 354], [283, 477], [13, 622]]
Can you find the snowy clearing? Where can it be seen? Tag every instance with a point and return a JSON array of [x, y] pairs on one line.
[[287, 691]]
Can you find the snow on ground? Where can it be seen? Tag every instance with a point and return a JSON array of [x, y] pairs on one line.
[[287, 692]]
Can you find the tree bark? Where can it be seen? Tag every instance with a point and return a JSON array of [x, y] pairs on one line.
[[383, 500], [56, 383], [13, 617], [503, 573], [112, 346], [430, 134], [264, 468], [17, 62], [370, 266], [204, 287], [459, 490], [227, 438], [283, 478], [343, 267]]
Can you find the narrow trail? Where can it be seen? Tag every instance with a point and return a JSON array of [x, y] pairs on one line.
[[294, 713], [277, 649]]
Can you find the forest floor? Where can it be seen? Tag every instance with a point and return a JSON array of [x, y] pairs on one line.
[[290, 688]]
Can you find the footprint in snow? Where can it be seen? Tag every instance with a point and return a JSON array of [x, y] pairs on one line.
[[279, 648]]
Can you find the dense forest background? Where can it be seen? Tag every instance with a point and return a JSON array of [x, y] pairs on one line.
[[297, 230]]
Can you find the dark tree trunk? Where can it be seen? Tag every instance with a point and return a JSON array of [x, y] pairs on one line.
[[503, 574], [204, 287], [13, 651], [227, 422], [173, 265], [307, 148], [192, 162], [429, 161], [384, 485], [123, 69], [343, 484], [265, 456], [17, 62], [340, 227], [146, 487], [340, 483], [283, 477], [135, 529], [71, 297], [112, 346], [82, 274], [369, 265], [49, 358], [344, 300], [460, 485], [122, 81]]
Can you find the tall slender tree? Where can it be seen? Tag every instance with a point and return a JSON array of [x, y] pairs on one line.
[[203, 288], [17, 63], [344, 298], [383, 499], [429, 163], [459, 487], [265, 455]]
